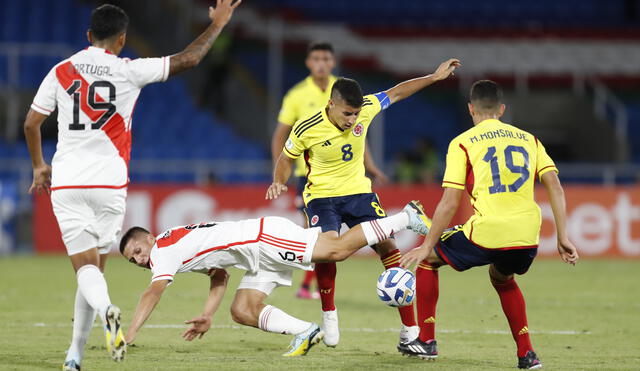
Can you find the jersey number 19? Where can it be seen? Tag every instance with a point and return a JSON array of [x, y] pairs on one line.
[[78, 90], [492, 159]]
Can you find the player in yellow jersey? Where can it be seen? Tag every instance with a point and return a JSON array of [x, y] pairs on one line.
[[497, 164], [332, 142], [305, 98]]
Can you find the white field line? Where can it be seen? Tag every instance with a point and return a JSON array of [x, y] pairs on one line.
[[355, 329]]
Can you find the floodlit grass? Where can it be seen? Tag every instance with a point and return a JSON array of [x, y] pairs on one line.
[[582, 318]]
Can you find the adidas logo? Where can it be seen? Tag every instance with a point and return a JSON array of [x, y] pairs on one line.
[[430, 320], [525, 330], [326, 143]]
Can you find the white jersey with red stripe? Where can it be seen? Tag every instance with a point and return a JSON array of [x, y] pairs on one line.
[[271, 244], [95, 93]]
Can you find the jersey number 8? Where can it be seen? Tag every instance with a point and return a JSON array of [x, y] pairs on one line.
[[492, 159]]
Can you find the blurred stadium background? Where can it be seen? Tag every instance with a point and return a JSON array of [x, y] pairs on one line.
[[571, 70]]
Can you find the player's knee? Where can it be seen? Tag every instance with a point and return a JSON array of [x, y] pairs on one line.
[[241, 314], [498, 278]]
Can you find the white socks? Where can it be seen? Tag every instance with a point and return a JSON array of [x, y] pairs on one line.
[[83, 317], [272, 319], [93, 288], [376, 231]]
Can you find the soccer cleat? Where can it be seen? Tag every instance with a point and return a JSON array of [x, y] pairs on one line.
[[330, 328], [409, 333], [302, 342], [530, 361], [116, 345], [70, 365], [305, 293], [419, 222], [420, 349]]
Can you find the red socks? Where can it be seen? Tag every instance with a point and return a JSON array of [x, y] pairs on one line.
[[391, 260], [514, 308], [308, 278], [427, 299], [326, 276]]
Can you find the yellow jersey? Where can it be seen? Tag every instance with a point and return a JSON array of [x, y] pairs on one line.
[[497, 164], [301, 100], [334, 158]]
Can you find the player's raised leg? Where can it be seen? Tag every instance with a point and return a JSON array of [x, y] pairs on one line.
[[514, 309], [248, 309], [331, 248]]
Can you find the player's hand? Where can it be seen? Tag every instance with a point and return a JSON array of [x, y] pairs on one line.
[[275, 189], [446, 69], [414, 257], [223, 11], [41, 179], [130, 337], [199, 326], [568, 252]]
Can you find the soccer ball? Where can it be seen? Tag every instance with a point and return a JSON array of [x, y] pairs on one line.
[[396, 287]]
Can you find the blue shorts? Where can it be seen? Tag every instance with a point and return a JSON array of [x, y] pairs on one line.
[[329, 213], [461, 254]]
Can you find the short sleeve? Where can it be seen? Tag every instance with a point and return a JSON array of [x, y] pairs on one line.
[[165, 264], [544, 163], [288, 112], [45, 100], [455, 173], [143, 71], [294, 146]]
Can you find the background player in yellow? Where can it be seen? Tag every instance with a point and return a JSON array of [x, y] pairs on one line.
[[307, 97], [332, 142], [497, 164]]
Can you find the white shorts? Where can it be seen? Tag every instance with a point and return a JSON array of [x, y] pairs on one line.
[[284, 246], [89, 217], [265, 281]]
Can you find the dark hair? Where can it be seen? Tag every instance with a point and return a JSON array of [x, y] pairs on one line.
[[486, 94], [108, 20], [319, 45], [348, 90], [132, 233]]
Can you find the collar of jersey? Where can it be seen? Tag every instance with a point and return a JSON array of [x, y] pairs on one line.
[[325, 119], [489, 120], [95, 49]]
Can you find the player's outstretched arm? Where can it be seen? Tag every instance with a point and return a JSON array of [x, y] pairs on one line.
[[281, 175], [408, 88], [201, 324], [193, 54], [41, 171], [567, 250], [445, 211], [148, 301]]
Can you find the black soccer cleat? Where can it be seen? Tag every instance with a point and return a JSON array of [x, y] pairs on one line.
[[71, 365], [420, 349], [530, 361]]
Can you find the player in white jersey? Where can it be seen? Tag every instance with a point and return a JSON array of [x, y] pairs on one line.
[[269, 249], [95, 93]]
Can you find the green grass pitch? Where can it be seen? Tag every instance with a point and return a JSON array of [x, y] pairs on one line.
[[582, 318]]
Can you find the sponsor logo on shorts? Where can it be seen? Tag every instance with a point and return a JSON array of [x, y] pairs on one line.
[[315, 219], [358, 130], [287, 256]]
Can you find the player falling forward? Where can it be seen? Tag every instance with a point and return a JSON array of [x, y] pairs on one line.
[[332, 142], [95, 93], [303, 99], [498, 164], [269, 249]]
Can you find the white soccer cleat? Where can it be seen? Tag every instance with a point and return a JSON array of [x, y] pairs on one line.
[[302, 342], [419, 222], [116, 345], [330, 328], [71, 365], [409, 333]]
